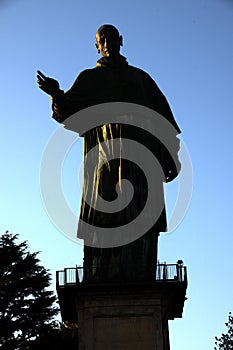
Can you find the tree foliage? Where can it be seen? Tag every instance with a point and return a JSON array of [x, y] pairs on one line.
[[62, 337], [26, 305], [225, 342]]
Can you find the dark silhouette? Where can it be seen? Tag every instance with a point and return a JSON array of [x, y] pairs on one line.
[[114, 80], [225, 342], [27, 307], [62, 337]]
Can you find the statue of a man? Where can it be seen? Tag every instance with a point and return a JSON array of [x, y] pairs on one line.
[[113, 80]]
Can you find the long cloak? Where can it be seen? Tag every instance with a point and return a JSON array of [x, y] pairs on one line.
[[116, 81]]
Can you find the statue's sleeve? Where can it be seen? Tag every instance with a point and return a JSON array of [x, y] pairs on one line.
[[67, 103], [169, 157], [159, 103]]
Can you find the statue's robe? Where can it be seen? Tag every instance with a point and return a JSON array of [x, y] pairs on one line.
[[116, 81]]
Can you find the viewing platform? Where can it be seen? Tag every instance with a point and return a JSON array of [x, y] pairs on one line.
[[169, 287], [74, 276]]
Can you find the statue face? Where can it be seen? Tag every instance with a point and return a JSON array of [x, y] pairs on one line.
[[108, 43]]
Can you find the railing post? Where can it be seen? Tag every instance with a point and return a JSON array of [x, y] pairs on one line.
[[180, 270], [164, 272], [185, 274], [57, 279], [76, 276], [158, 272], [65, 276]]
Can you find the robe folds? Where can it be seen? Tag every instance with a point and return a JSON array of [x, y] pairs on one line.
[[105, 167]]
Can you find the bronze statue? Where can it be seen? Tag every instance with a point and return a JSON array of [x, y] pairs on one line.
[[114, 80]]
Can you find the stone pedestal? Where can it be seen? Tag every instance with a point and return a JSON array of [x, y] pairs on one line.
[[124, 316], [121, 321]]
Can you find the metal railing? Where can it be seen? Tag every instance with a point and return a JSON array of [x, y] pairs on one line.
[[164, 272], [171, 272]]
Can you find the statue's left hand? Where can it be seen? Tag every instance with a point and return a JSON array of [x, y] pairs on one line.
[[48, 85]]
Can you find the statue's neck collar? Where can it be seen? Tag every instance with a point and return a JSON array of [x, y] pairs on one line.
[[111, 61]]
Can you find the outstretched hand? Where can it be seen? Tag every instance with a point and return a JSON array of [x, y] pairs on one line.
[[48, 85]]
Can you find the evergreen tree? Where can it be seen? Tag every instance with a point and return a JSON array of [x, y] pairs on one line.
[[26, 306], [225, 342], [62, 337]]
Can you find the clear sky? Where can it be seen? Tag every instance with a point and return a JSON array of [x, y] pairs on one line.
[[186, 46]]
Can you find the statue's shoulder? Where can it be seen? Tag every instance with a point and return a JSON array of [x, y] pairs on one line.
[[84, 77], [140, 72], [136, 69], [97, 70], [87, 73]]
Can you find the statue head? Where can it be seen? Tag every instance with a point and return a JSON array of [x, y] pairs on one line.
[[108, 41]]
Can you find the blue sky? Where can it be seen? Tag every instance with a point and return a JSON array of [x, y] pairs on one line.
[[186, 46]]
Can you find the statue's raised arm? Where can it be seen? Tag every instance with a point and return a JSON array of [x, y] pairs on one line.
[[48, 85]]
